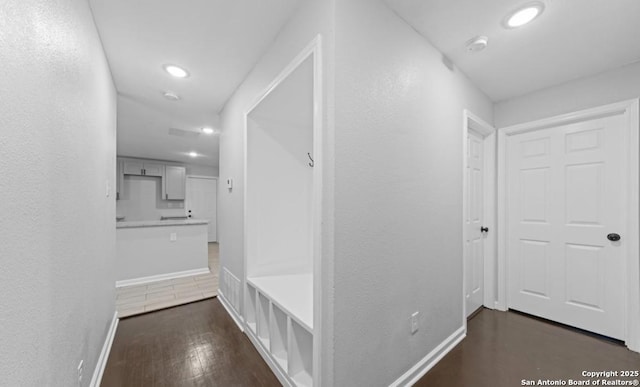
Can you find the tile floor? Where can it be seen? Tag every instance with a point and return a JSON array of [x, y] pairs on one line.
[[132, 300]]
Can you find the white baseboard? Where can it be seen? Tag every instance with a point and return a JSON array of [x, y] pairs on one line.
[[426, 363], [161, 277], [234, 315], [104, 354]]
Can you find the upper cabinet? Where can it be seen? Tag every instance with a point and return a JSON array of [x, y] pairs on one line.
[[143, 168], [153, 169], [132, 167], [173, 177], [174, 182]]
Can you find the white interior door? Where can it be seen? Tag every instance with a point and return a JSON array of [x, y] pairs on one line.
[[202, 202], [474, 217], [566, 193]]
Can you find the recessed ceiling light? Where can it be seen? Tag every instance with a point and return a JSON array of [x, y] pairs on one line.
[[524, 15], [176, 71], [208, 130], [171, 96], [193, 154]]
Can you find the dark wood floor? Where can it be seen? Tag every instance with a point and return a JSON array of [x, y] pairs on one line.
[[501, 349], [191, 345], [199, 345]]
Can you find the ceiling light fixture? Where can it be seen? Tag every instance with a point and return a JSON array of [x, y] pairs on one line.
[[171, 96], [523, 15], [193, 154], [208, 130], [176, 71]]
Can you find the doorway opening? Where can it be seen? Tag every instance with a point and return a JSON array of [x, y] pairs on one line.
[[479, 195]]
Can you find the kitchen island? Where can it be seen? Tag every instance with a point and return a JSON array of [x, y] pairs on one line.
[[154, 250]]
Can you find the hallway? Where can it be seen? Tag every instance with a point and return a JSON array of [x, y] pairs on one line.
[[200, 345], [379, 168]]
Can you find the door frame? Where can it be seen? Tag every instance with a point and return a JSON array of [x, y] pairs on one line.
[[629, 109], [186, 195], [475, 123]]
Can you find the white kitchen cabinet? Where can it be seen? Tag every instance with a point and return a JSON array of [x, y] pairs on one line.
[[133, 167], [153, 169], [143, 168], [174, 182]]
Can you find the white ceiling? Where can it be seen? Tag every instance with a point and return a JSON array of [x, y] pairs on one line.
[[571, 39], [217, 41]]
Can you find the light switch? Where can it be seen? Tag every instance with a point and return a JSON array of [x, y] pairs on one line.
[[173, 237], [229, 184]]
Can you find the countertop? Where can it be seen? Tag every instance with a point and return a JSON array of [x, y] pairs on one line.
[[161, 223]]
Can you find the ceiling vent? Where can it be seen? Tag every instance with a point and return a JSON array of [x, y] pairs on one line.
[[183, 133]]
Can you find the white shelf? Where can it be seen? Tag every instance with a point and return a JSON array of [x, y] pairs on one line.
[[293, 293], [281, 358], [264, 341], [303, 378], [250, 311], [300, 355], [263, 320], [279, 336]]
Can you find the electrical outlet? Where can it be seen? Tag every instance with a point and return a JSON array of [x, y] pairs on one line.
[[80, 372], [413, 320], [173, 237]]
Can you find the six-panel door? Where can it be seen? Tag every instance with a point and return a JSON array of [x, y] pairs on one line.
[[565, 194]]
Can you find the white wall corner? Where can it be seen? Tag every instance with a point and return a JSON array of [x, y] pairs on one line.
[[104, 354], [423, 366]]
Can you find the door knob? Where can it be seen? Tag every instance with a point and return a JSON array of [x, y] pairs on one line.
[[613, 237], [484, 229]]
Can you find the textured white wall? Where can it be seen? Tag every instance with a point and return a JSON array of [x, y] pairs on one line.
[[398, 194], [58, 136], [311, 18], [608, 87]]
